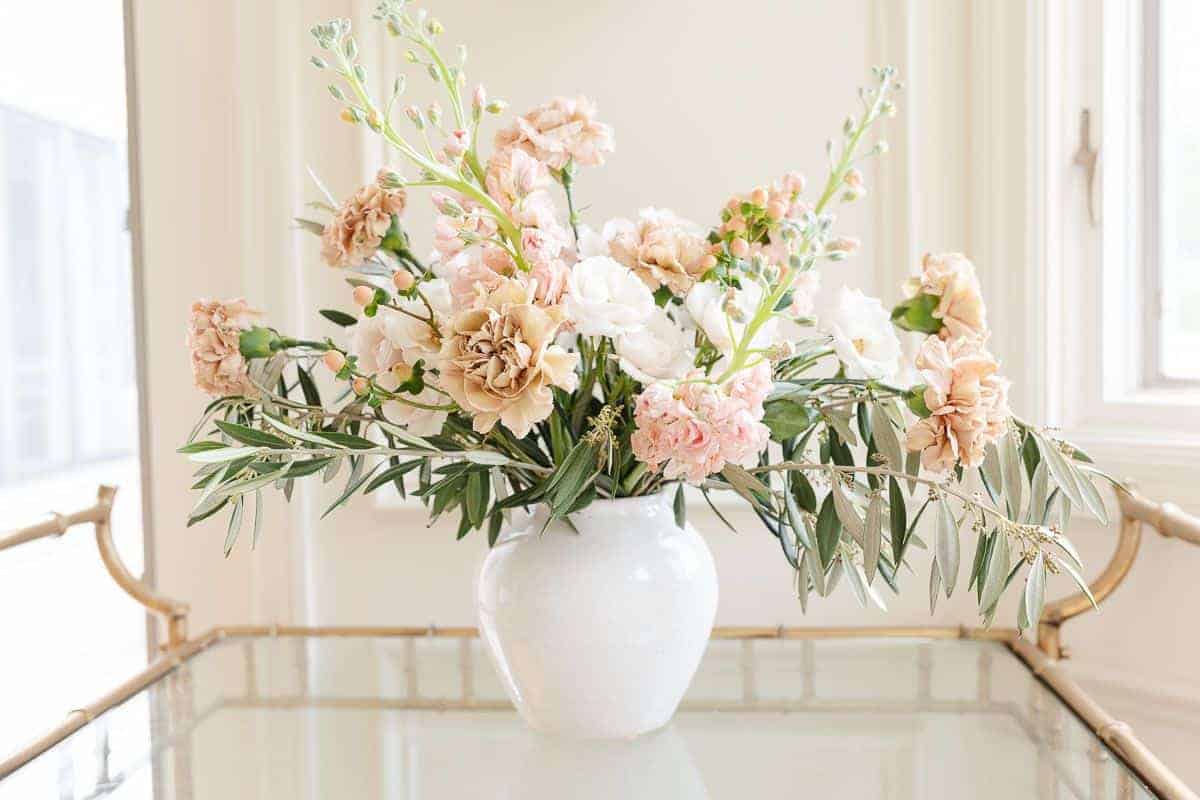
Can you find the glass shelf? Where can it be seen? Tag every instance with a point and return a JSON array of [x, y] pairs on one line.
[[422, 717]]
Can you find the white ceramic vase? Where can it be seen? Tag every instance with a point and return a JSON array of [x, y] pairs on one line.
[[596, 632]]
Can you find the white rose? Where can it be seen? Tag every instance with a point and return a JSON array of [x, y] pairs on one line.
[[418, 421], [415, 338], [863, 336], [606, 299], [708, 302], [661, 350]]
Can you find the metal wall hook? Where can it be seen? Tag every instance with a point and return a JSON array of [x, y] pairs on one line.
[[1087, 157]]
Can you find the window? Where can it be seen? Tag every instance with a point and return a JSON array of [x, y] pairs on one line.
[[68, 389], [1172, 147]]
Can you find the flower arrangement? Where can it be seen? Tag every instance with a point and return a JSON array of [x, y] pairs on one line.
[[531, 359]]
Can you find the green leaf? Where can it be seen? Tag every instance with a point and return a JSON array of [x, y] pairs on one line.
[[1034, 596], [872, 537], [1014, 479], [210, 507], [352, 485], [897, 518], [946, 544], [797, 522], [998, 565], [312, 395], [338, 317], [200, 447], [839, 421], [215, 456], [250, 484], [1068, 568], [935, 584], [574, 475], [235, 526], [477, 497], [251, 436], [258, 517], [993, 475], [392, 473], [680, 507], [886, 441], [788, 419], [829, 531], [298, 469], [1039, 490], [849, 517], [802, 491], [346, 440]]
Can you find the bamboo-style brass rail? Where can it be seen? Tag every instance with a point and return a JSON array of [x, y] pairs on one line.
[[172, 613], [1136, 509]]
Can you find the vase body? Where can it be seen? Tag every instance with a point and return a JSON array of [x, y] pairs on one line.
[[597, 631]]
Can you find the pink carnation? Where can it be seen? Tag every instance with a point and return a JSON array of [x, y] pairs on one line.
[[358, 227], [695, 429], [460, 222], [951, 278]]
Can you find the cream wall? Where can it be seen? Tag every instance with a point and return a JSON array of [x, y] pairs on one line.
[[705, 101]]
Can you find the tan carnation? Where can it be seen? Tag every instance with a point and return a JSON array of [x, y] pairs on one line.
[[660, 248], [358, 227], [214, 333], [500, 360], [968, 401]]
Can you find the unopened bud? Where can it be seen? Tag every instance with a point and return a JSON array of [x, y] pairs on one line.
[[496, 107], [363, 295], [390, 179], [740, 248], [318, 62], [415, 115], [479, 99], [403, 280], [435, 113], [402, 371], [361, 386], [350, 115], [411, 56], [334, 361], [434, 27]]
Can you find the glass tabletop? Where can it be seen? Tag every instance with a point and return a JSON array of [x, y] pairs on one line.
[[424, 717]]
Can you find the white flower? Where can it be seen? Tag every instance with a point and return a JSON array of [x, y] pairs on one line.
[[369, 341], [605, 299], [418, 421], [591, 243], [723, 312], [863, 336], [661, 350], [415, 338]]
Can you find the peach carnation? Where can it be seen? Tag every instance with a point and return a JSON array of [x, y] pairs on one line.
[[951, 278], [214, 335], [968, 401], [660, 248], [500, 360], [358, 227], [565, 129]]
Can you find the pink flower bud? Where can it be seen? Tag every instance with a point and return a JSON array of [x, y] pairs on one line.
[[334, 361], [456, 143], [740, 248], [776, 210], [363, 295], [403, 280], [479, 99]]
